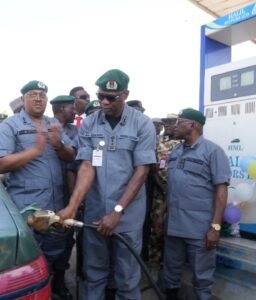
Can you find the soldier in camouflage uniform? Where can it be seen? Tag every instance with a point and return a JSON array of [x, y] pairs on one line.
[[150, 186], [164, 146]]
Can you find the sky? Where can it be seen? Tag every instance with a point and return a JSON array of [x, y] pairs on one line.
[[67, 43]]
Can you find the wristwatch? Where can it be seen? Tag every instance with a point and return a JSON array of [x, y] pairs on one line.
[[119, 209], [216, 227]]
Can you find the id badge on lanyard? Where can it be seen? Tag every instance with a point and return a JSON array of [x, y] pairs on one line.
[[162, 163], [97, 155]]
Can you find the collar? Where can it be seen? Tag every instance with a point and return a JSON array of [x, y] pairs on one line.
[[82, 115], [196, 143], [102, 117], [27, 120]]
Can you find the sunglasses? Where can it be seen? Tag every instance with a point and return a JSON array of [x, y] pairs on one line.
[[110, 98], [84, 97]]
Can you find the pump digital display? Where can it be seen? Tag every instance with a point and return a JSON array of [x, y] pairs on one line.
[[247, 78], [225, 83], [234, 84]]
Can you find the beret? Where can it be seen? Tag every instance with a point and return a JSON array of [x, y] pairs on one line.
[[136, 103], [113, 80], [16, 105], [34, 85], [95, 104], [192, 114], [3, 116], [63, 99]]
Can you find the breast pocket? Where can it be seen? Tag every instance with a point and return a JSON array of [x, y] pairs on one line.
[[194, 166], [96, 139], [25, 141], [127, 142], [172, 163]]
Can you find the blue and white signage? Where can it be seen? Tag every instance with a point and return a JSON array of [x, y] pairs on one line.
[[233, 18]]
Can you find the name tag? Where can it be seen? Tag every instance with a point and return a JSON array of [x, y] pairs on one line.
[[97, 158]]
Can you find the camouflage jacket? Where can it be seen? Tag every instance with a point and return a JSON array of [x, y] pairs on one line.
[[163, 149]]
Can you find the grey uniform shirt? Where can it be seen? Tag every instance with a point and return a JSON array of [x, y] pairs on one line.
[[71, 131], [40, 180], [131, 143], [193, 173]]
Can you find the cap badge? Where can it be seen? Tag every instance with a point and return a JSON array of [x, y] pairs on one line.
[[41, 85], [96, 104], [111, 85]]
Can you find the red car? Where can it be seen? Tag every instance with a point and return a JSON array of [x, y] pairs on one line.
[[23, 268]]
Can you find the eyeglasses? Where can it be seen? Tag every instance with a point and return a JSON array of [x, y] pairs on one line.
[[35, 96], [180, 121], [110, 98]]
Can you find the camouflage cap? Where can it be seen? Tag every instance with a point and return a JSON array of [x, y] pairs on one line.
[[170, 118], [34, 85], [113, 81]]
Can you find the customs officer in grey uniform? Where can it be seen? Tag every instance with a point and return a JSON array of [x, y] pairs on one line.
[[198, 175], [31, 146], [64, 111], [63, 108], [116, 147]]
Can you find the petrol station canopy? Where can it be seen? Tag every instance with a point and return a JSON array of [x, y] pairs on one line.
[[220, 8]]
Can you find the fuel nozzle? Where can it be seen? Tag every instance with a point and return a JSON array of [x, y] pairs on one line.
[[72, 222], [41, 220]]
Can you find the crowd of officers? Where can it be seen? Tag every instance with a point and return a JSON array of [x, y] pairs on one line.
[[158, 182]]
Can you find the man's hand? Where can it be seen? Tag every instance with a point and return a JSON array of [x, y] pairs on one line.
[[41, 140], [66, 213], [108, 223], [212, 238], [55, 137]]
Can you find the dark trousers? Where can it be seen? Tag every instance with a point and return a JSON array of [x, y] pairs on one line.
[[52, 244], [62, 263]]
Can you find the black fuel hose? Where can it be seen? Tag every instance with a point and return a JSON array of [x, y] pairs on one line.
[[138, 258]]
